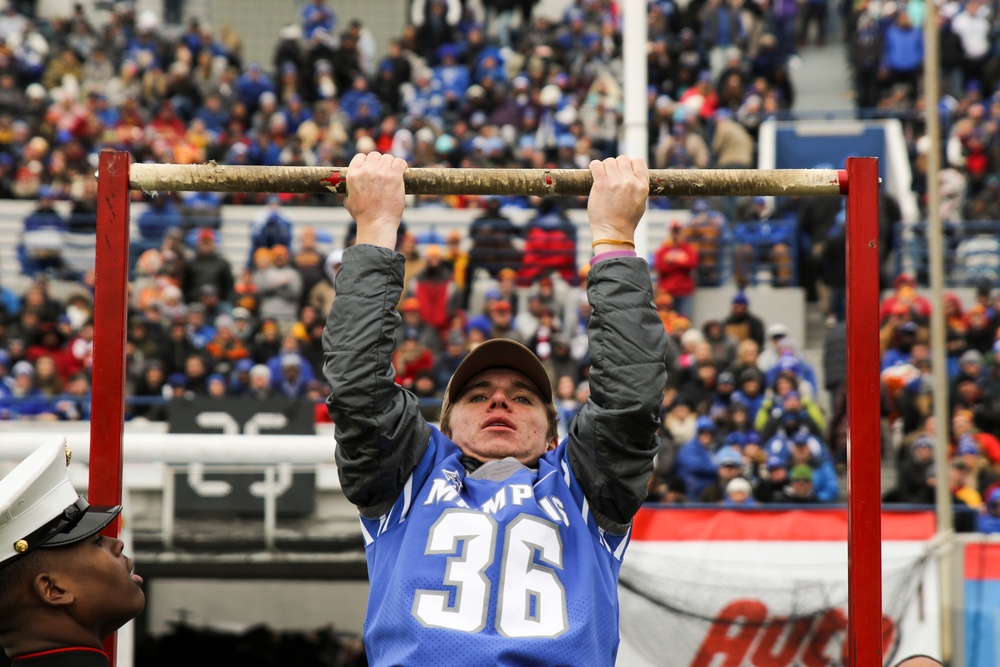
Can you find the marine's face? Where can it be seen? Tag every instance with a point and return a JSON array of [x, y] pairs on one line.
[[500, 413], [98, 575]]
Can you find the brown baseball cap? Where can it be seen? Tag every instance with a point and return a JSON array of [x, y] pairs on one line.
[[500, 353]]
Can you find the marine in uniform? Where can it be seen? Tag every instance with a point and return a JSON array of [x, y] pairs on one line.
[[64, 587]]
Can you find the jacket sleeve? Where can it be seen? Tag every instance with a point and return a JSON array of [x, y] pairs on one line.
[[613, 440], [381, 435]]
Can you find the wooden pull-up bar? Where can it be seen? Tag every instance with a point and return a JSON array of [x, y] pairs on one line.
[[212, 177]]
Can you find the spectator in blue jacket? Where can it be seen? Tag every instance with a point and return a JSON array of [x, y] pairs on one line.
[[239, 377], [251, 85], [901, 345], [824, 475], [989, 520], [290, 381], [271, 228], [696, 463], [40, 248], [26, 400], [160, 215], [317, 14], [289, 348], [490, 65], [750, 392], [903, 53], [45, 216], [450, 78], [792, 363], [729, 466], [361, 105], [739, 493], [213, 114]]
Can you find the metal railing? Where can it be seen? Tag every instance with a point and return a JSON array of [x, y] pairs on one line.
[[971, 252], [272, 455]]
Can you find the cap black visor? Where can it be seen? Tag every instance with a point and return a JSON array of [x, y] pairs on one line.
[[92, 522]]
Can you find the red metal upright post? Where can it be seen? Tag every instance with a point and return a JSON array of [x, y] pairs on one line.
[[110, 310], [864, 443]]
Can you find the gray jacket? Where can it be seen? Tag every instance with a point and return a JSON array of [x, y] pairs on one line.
[[381, 435]]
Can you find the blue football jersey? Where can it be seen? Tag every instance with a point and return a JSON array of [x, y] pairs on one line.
[[503, 566]]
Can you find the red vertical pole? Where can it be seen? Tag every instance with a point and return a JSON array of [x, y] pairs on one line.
[[110, 310], [864, 443]]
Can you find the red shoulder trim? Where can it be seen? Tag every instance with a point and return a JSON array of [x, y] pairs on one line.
[[60, 650]]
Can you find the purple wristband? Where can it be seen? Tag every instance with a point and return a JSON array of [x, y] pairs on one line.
[[612, 254]]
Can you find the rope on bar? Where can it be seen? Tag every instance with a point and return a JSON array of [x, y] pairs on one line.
[[213, 177]]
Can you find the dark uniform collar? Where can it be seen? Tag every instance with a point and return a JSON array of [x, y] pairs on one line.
[[74, 656]]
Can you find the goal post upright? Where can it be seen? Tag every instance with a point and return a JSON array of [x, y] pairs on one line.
[[107, 418], [864, 442], [117, 176]]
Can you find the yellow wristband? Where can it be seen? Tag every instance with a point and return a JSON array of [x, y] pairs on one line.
[[598, 242]]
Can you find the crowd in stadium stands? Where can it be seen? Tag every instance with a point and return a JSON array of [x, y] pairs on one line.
[[742, 422]]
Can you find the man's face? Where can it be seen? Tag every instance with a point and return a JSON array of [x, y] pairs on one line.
[[728, 472], [499, 414], [501, 316], [97, 575], [961, 425], [801, 453], [802, 487]]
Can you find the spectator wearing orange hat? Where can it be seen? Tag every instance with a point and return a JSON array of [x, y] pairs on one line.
[[309, 262], [279, 289], [267, 343], [675, 262], [411, 312], [966, 435], [508, 289], [898, 316], [501, 317], [207, 267], [980, 331], [674, 323], [411, 358], [457, 259], [906, 294], [435, 289], [226, 347]]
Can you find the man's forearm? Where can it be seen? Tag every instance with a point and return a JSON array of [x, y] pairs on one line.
[[612, 442], [380, 433]]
